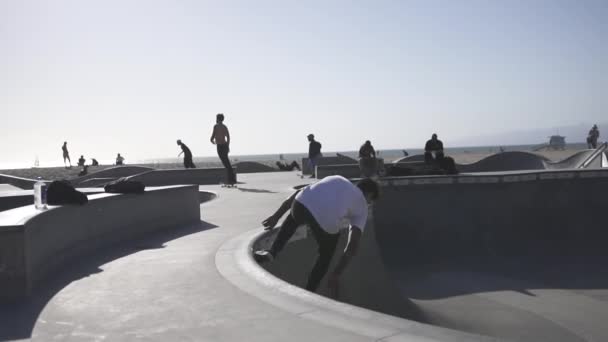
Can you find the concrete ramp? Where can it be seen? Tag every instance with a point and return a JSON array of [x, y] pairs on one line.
[[109, 175], [518, 257], [182, 176], [366, 282]]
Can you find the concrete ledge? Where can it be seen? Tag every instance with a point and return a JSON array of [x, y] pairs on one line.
[[33, 243], [344, 170], [22, 183], [234, 261], [335, 160], [182, 176], [19, 198]]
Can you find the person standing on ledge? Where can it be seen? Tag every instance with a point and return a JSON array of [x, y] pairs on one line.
[[594, 135], [221, 137], [188, 163], [367, 159], [328, 206], [314, 153], [66, 154], [433, 146]]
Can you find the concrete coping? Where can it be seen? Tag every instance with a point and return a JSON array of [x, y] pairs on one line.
[[235, 262], [493, 177], [20, 216]]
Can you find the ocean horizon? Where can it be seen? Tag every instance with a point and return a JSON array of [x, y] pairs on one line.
[[387, 154]]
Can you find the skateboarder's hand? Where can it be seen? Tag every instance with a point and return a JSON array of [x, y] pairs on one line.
[[333, 282], [270, 222]]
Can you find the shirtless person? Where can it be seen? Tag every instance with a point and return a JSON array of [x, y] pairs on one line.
[[221, 137], [66, 154]]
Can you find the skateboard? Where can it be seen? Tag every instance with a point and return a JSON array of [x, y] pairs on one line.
[[227, 185]]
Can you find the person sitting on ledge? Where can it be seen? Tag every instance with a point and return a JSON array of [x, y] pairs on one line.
[[119, 159], [84, 172], [81, 161], [326, 207], [367, 159], [288, 167], [432, 147], [94, 162]]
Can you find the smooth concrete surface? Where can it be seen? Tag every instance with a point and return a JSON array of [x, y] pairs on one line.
[[198, 283], [19, 182], [327, 160], [183, 176], [8, 187], [37, 242], [11, 199], [109, 174], [344, 170], [519, 256]]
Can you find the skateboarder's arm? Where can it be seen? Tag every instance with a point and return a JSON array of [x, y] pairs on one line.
[[271, 221], [352, 246], [212, 139], [180, 153]]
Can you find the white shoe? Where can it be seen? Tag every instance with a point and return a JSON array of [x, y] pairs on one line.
[[262, 256]]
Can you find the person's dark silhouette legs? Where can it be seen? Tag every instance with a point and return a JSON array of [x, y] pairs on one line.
[[222, 152], [428, 157], [327, 246]]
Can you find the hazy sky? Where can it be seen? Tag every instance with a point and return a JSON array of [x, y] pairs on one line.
[[133, 76]]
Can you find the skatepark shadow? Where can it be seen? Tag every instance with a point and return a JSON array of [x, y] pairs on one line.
[[20, 316], [259, 191]]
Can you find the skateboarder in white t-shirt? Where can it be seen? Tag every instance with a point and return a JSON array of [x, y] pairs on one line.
[[326, 207]]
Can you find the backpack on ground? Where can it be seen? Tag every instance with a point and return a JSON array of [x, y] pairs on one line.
[[62, 192], [124, 186]]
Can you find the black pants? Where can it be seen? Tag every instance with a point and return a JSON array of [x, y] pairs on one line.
[[428, 157], [326, 242], [188, 163], [222, 152]]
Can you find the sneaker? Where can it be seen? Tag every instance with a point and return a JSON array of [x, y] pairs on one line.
[[262, 256]]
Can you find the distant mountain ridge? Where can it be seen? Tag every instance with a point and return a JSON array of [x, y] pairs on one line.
[[573, 134]]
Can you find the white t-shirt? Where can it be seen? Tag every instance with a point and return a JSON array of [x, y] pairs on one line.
[[335, 203]]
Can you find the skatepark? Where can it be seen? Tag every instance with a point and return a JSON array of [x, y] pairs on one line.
[[510, 255]]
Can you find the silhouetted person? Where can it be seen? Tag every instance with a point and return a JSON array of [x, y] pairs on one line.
[[221, 137], [66, 154], [326, 207], [119, 159], [367, 159], [432, 147], [592, 138], [288, 167], [81, 160], [314, 153], [84, 172], [405, 154], [188, 163], [94, 162]]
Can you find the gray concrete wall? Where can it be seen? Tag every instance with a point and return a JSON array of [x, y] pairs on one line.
[[182, 176], [335, 160], [542, 213], [422, 220], [344, 170], [34, 243]]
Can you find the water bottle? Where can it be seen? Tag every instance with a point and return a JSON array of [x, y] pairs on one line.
[[40, 194]]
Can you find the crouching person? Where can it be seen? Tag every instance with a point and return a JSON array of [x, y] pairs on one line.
[[324, 207]]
